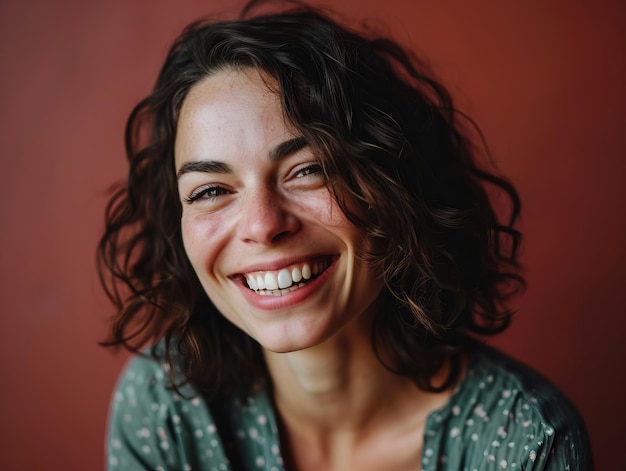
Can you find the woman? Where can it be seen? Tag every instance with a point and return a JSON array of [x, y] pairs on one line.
[[306, 238]]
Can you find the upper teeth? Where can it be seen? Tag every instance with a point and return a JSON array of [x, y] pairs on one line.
[[285, 277]]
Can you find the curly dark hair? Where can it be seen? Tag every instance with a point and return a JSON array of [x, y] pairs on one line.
[[391, 144]]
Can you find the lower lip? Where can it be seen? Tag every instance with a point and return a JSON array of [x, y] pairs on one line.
[[291, 299]]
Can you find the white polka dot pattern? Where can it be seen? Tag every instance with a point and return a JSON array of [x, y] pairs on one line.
[[495, 420]]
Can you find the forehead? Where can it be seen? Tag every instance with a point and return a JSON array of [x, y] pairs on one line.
[[227, 112], [229, 83]]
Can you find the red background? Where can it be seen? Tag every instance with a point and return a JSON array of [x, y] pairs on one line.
[[545, 80]]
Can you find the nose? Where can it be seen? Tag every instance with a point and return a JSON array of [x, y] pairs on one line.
[[265, 218]]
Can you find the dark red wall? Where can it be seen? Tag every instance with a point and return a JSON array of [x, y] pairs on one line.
[[545, 80]]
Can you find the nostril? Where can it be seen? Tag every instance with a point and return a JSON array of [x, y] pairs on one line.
[[280, 236]]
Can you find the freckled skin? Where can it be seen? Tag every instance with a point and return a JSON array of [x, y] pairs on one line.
[[264, 213]]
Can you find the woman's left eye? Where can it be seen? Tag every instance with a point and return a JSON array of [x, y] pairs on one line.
[[309, 170]]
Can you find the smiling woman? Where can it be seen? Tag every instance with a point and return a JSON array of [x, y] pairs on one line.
[[308, 247], [256, 210]]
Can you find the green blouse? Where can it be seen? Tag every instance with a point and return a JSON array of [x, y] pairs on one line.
[[501, 416]]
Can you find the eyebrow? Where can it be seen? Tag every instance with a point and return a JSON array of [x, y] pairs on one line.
[[290, 146], [205, 166], [277, 153]]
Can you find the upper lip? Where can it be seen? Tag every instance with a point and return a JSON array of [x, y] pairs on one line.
[[277, 264]]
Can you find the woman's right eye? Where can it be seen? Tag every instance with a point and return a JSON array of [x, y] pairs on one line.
[[206, 193]]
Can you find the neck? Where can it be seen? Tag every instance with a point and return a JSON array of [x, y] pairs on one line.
[[336, 399], [338, 383], [340, 386]]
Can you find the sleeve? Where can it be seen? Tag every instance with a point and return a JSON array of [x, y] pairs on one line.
[[553, 432], [529, 433], [140, 432], [563, 450], [561, 445], [556, 453], [539, 451], [533, 447]]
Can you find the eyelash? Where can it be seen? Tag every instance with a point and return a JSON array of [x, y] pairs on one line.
[[210, 192], [310, 170]]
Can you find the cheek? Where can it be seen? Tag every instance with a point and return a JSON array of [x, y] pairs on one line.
[[201, 240], [324, 210], [190, 237]]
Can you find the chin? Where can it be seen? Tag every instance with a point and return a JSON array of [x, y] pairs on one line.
[[287, 343]]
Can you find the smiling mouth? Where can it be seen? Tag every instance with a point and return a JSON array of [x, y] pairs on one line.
[[286, 280]]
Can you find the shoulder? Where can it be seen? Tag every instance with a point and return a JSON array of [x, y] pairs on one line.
[[145, 384], [541, 401], [152, 426], [508, 416]]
